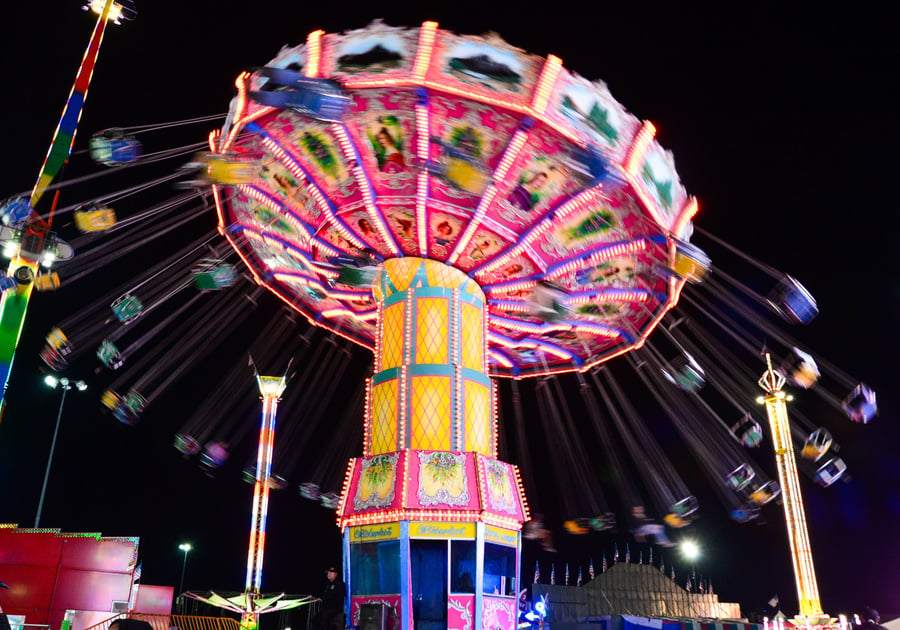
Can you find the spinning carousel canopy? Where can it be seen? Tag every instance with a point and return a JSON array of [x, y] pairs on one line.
[[464, 150]]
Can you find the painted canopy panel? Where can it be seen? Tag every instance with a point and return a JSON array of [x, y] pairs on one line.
[[472, 152]]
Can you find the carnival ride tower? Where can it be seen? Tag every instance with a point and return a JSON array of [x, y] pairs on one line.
[[27, 234], [465, 210], [271, 388], [775, 399], [428, 511], [251, 603]]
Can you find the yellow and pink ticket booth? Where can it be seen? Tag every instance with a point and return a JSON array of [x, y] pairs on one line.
[[431, 519]]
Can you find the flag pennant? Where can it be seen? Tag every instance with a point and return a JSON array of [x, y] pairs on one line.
[[137, 572], [604, 566], [627, 553], [578, 583], [711, 591], [641, 557], [552, 574], [650, 561], [567, 574], [591, 567], [687, 584], [673, 571], [537, 572], [615, 553]]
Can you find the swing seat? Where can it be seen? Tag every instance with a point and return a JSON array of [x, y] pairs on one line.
[[860, 404], [187, 445], [830, 471], [765, 493], [793, 302], [739, 477], [800, 369], [748, 431], [816, 445]]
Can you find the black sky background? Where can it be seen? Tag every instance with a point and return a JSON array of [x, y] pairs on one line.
[[782, 124]]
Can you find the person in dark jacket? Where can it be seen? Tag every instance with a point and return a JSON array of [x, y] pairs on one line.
[[871, 620], [332, 617]]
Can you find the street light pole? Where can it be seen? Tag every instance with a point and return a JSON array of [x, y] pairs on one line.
[[691, 551], [65, 385], [185, 547]]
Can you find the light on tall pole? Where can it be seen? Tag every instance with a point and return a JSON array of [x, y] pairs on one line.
[[65, 385], [691, 550], [185, 547], [775, 399]]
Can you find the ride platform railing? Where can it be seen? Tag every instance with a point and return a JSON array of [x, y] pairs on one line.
[[173, 622]]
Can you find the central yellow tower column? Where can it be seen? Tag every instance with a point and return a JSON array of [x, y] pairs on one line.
[[430, 389]]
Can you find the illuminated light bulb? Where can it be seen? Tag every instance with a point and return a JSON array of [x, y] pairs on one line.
[[313, 53]]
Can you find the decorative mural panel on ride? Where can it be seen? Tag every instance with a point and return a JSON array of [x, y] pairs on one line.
[[407, 484], [375, 487], [468, 151], [444, 480]]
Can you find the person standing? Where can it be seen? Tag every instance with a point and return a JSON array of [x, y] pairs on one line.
[[332, 617], [871, 620]]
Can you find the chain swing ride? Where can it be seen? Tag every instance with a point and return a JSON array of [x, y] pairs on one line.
[[467, 211]]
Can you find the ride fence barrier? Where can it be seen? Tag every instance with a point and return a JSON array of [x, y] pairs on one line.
[[173, 622]]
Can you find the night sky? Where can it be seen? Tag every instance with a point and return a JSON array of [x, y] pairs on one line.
[[782, 125]]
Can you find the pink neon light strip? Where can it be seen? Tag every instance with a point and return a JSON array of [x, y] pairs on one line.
[[581, 200], [639, 147], [316, 283], [545, 84], [687, 213], [240, 109], [423, 133], [365, 186], [509, 156], [670, 304], [526, 110], [234, 245], [603, 252], [314, 53], [296, 222], [540, 329], [427, 35], [365, 343], [632, 165], [294, 166], [240, 124], [608, 295], [501, 358]]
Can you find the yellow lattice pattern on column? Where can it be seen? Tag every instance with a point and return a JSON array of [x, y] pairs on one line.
[[477, 417], [432, 334], [430, 413], [440, 275], [392, 340], [401, 271], [384, 417], [471, 349]]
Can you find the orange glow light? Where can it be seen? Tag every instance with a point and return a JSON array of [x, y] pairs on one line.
[[314, 53]]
